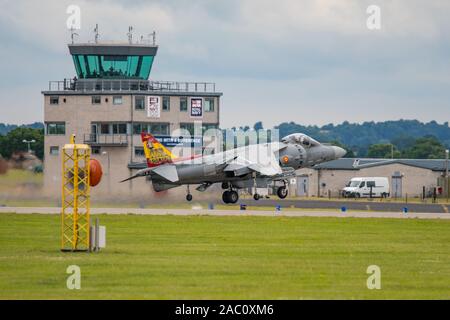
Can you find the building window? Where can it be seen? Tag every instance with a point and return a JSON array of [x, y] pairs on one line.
[[95, 150], [96, 99], [207, 126], [119, 128], [54, 100], [56, 128], [166, 104], [54, 150], [183, 103], [209, 104], [159, 128], [139, 152], [138, 128], [139, 103], [117, 100], [104, 128], [188, 126], [153, 128]]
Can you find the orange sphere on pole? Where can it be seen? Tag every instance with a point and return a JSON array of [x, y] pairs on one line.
[[95, 172]]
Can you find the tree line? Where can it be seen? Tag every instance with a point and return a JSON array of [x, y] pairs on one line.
[[408, 139]]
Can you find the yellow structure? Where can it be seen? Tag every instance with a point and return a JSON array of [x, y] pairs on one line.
[[75, 221]]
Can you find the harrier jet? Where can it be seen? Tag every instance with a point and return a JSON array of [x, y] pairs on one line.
[[254, 166]]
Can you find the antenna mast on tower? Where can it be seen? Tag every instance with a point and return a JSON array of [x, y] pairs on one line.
[[72, 34], [96, 32], [130, 34]]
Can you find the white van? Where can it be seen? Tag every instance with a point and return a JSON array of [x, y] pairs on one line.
[[360, 187]]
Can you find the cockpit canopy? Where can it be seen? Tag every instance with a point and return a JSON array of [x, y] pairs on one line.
[[300, 138]]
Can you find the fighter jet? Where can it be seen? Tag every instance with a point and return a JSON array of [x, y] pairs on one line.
[[254, 166]]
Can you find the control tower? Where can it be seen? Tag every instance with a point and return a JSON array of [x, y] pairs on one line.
[[113, 61], [109, 101]]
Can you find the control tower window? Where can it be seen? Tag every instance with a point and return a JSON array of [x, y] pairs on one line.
[[112, 66]]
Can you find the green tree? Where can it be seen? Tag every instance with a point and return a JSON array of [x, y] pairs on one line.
[[427, 147], [383, 150], [13, 141], [403, 142]]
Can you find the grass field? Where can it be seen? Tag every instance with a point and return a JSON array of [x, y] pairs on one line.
[[200, 257]]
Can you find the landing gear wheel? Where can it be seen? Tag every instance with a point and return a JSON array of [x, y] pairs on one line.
[[256, 196], [189, 197], [233, 196], [282, 192], [226, 197]]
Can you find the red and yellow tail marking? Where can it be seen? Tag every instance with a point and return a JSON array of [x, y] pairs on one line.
[[155, 153]]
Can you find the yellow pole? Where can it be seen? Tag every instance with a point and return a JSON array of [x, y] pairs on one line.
[[75, 197], [63, 198]]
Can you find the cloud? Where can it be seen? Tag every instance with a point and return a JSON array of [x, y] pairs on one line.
[[296, 55]]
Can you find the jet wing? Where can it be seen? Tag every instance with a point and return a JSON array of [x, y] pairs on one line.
[[166, 171], [255, 158]]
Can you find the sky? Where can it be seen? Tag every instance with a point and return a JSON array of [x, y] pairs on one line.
[[307, 61]]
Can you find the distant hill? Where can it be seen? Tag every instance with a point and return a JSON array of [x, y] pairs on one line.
[[359, 137], [5, 128]]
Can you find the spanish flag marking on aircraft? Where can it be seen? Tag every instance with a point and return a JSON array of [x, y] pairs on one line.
[[155, 152]]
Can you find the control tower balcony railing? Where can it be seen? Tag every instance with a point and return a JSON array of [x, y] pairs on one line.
[[106, 140], [105, 85]]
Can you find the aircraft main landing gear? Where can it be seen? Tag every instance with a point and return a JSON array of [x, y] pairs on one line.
[[230, 196], [282, 192]]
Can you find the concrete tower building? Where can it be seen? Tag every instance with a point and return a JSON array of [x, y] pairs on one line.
[[110, 102]]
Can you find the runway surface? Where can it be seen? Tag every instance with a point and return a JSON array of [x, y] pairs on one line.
[[274, 213]]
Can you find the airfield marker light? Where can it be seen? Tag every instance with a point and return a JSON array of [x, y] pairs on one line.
[[343, 209], [405, 209]]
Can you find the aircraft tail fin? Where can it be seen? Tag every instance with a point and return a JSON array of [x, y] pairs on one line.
[[155, 152]]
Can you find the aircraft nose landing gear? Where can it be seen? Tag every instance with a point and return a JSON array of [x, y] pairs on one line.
[[189, 195]]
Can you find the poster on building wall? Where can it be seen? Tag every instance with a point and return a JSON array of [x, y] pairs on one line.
[[153, 107], [196, 107]]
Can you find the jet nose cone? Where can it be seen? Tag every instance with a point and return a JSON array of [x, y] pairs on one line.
[[339, 152]]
